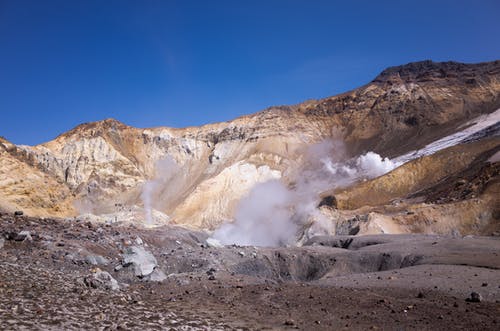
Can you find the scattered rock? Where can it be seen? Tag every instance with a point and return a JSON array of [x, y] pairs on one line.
[[2, 242], [241, 253], [101, 280], [18, 213], [474, 297]]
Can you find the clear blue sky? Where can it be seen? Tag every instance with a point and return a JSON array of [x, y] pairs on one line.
[[183, 63]]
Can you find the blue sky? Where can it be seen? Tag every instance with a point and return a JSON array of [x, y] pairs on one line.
[[184, 63]]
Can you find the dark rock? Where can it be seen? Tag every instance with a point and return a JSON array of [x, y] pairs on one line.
[[411, 121], [474, 297], [329, 201], [18, 213]]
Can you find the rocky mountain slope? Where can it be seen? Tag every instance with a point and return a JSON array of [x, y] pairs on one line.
[[196, 176]]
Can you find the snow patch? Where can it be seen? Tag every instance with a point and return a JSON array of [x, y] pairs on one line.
[[472, 127]]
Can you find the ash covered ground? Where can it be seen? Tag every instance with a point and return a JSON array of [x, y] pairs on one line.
[[61, 274]]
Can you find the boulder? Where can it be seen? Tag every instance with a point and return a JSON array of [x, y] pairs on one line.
[[96, 260], [23, 235], [474, 297], [143, 261], [156, 276], [101, 280]]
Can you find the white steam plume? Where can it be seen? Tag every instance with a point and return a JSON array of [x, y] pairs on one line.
[[262, 218], [273, 213], [166, 177]]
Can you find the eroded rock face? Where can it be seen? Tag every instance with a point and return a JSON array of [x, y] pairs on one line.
[[101, 167]]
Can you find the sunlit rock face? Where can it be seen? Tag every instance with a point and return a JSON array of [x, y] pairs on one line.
[[103, 167]]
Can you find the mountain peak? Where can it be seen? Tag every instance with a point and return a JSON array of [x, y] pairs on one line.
[[96, 128], [429, 70]]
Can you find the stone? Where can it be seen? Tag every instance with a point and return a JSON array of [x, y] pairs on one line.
[[101, 280], [96, 260], [138, 241], [23, 235], [474, 297], [156, 276], [18, 213], [2, 242], [143, 261]]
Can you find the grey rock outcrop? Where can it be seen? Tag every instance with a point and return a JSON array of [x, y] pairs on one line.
[[143, 262]]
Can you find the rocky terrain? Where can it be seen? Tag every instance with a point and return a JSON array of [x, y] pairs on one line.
[[77, 275], [375, 209]]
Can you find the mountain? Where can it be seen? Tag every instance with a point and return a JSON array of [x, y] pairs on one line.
[[196, 176]]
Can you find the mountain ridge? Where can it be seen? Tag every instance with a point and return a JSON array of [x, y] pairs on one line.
[[107, 163]]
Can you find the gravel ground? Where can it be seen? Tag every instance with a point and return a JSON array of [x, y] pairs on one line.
[[379, 282]]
